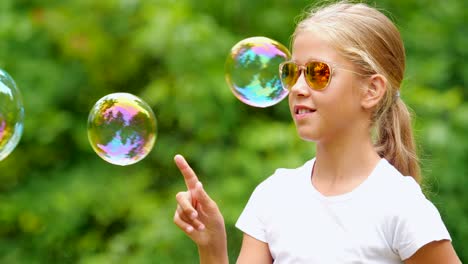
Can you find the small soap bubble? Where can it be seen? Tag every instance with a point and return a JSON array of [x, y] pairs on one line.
[[252, 71], [122, 128], [11, 115]]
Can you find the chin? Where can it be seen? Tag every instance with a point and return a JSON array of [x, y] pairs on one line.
[[307, 136], [308, 139]]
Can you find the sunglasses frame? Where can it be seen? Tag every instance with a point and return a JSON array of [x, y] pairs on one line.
[[303, 68]]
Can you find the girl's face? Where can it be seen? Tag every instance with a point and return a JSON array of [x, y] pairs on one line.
[[330, 113]]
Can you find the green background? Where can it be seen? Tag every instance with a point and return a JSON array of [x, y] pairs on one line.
[[61, 203]]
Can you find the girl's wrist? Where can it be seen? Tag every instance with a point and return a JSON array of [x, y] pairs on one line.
[[213, 255]]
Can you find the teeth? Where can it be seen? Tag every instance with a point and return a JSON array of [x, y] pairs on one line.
[[304, 111]]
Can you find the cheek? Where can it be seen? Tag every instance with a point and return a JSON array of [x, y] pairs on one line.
[[290, 104], [342, 102]]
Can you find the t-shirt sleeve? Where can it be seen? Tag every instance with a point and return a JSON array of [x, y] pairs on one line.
[[418, 224], [251, 220]]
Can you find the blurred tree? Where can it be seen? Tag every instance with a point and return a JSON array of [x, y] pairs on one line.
[[60, 203]]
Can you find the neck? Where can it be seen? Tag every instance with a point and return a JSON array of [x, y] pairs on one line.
[[343, 163]]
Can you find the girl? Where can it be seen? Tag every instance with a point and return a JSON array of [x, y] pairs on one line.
[[351, 203]]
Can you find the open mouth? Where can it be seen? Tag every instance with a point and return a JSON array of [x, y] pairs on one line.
[[303, 110]]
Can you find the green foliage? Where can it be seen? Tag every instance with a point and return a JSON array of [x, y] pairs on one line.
[[60, 203]]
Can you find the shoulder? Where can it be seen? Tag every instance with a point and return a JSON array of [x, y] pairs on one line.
[[404, 195], [284, 177], [284, 180], [414, 220], [396, 196], [411, 220], [270, 198], [391, 184]]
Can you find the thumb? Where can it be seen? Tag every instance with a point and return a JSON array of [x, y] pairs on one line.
[[202, 197]]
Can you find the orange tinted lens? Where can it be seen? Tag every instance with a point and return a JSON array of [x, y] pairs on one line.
[[289, 74], [318, 75]]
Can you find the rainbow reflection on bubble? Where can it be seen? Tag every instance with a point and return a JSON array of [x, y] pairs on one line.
[[11, 115], [122, 128], [252, 71]]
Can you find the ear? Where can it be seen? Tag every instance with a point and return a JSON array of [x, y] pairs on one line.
[[374, 91]]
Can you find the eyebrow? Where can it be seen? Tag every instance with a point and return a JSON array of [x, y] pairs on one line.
[[314, 59]]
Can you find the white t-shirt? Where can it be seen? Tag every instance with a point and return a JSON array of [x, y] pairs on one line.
[[386, 219]]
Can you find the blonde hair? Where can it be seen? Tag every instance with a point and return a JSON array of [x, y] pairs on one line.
[[370, 40]]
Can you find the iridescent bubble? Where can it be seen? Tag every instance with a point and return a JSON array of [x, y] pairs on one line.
[[252, 71], [122, 128], [11, 115]]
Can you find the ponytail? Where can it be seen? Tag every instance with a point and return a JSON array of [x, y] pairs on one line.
[[395, 140]]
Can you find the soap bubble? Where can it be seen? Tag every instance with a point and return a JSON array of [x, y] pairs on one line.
[[252, 71], [11, 115], [122, 128]]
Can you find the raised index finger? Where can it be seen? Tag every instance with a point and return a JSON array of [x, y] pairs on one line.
[[189, 175]]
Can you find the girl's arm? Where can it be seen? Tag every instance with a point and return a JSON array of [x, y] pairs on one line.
[[200, 218], [434, 253], [254, 251]]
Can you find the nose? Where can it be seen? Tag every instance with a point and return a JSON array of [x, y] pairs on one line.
[[300, 88]]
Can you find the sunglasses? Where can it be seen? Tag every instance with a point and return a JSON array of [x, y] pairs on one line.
[[316, 73]]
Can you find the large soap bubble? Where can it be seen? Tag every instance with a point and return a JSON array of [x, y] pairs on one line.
[[11, 115], [252, 71], [122, 128]]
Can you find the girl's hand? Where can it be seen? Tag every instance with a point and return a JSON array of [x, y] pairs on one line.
[[197, 214]]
